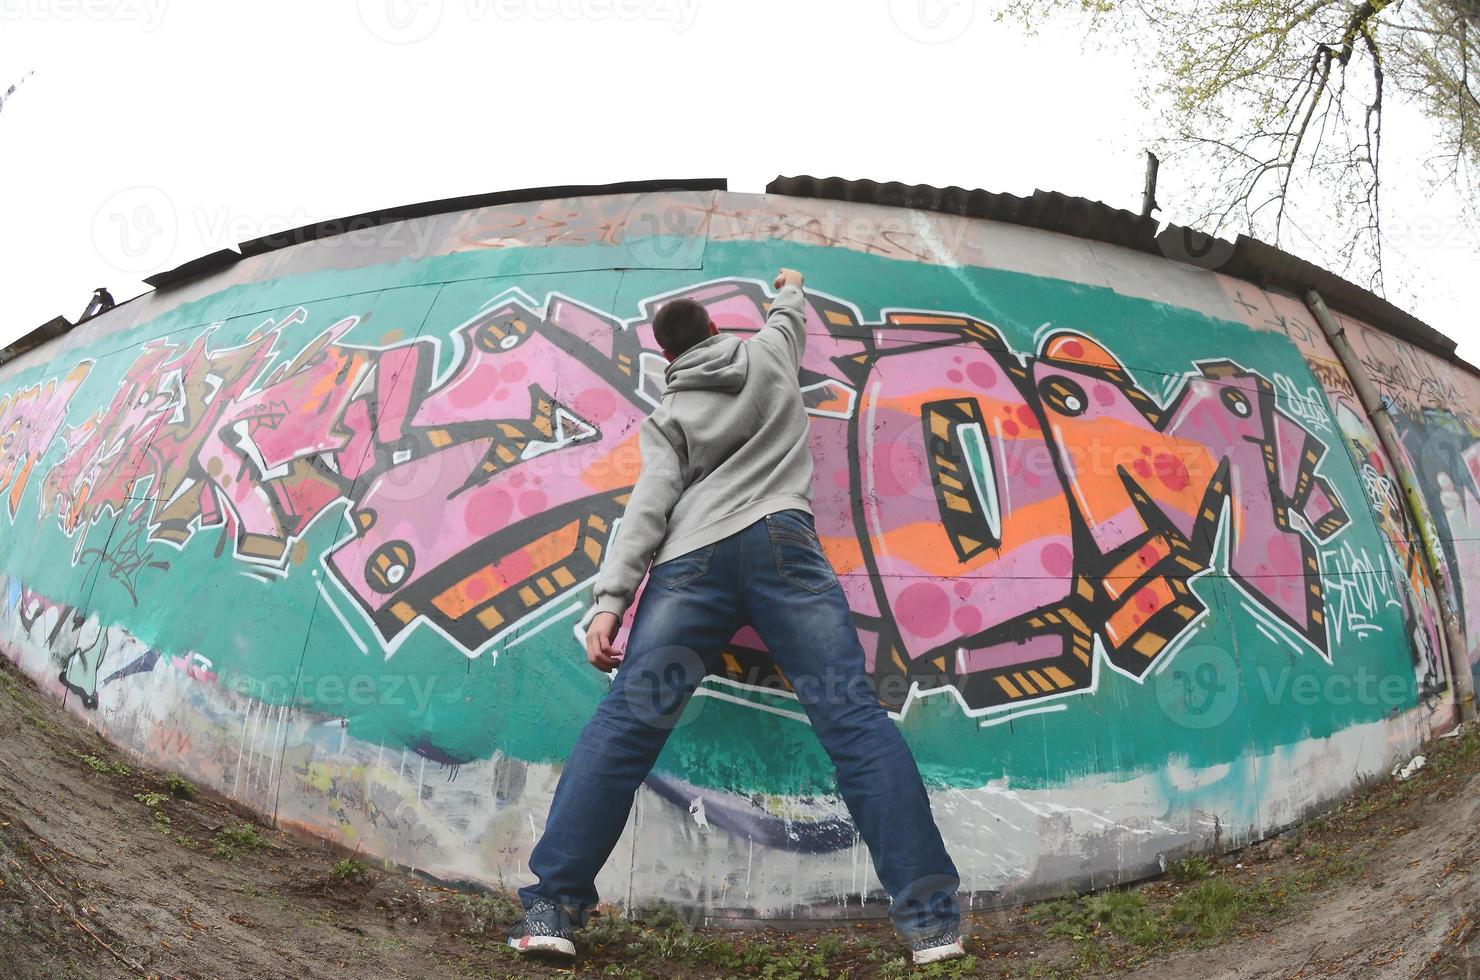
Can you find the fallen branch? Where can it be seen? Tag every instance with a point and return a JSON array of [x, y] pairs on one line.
[[136, 967]]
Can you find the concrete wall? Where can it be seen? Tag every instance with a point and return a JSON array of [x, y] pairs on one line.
[[1126, 557]]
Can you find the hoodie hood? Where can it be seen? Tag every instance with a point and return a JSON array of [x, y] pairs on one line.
[[717, 364]]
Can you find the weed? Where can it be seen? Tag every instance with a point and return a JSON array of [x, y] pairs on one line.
[[178, 786], [1195, 867], [238, 839], [103, 765], [662, 916], [152, 800], [1207, 910], [610, 930], [347, 869], [489, 912], [1118, 913]]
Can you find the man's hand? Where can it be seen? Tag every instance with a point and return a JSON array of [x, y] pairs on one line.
[[599, 650], [788, 277]]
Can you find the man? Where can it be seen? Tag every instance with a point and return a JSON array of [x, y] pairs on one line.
[[722, 510]]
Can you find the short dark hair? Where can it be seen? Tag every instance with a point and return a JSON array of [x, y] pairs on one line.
[[680, 324]]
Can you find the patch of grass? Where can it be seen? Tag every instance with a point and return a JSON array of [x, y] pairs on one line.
[[238, 839], [103, 766], [1207, 910], [155, 802], [348, 868], [660, 917], [178, 786], [610, 930], [1195, 867], [1125, 914], [489, 913]]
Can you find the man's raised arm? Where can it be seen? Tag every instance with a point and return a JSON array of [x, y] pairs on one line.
[[786, 326]]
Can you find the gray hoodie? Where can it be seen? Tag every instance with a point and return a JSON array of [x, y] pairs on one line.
[[726, 447]]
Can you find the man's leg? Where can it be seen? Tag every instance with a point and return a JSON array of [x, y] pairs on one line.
[[795, 603], [689, 609]]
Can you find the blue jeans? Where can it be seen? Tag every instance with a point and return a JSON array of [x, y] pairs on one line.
[[774, 576]]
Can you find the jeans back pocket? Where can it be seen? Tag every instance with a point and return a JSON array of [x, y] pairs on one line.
[[678, 572], [798, 552]]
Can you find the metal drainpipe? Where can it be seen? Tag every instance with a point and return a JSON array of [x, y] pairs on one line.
[[1387, 434]]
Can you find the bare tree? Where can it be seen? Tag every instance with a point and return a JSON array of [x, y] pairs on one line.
[[1273, 110]]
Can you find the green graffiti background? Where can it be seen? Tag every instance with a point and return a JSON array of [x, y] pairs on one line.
[[1228, 694]]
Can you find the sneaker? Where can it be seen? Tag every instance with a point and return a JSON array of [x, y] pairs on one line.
[[542, 932], [938, 948]]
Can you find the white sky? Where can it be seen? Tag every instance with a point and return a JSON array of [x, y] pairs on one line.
[[154, 131]]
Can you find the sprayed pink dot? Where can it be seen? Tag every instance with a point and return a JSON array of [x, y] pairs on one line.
[[954, 376], [531, 502], [1010, 428], [465, 395], [1147, 601], [968, 619], [924, 609], [963, 589], [1172, 472], [1282, 552], [897, 471], [1104, 394], [476, 589], [516, 478], [595, 404], [1026, 417], [516, 566], [841, 479], [489, 513], [981, 375], [1057, 560], [499, 394], [513, 371], [1072, 349], [1142, 468]]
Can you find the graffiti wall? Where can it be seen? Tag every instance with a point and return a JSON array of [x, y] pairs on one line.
[[1433, 404], [1128, 564]]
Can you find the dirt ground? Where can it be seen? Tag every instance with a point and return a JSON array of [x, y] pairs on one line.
[[110, 870]]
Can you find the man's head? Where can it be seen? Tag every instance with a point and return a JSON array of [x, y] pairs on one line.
[[680, 324]]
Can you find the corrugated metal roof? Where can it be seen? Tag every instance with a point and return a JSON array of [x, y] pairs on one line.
[[50, 330], [1244, 258], [215, 261]]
